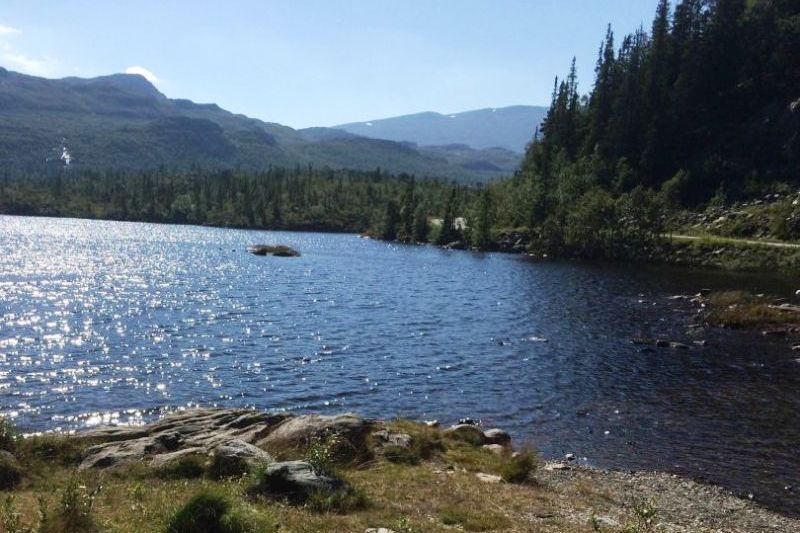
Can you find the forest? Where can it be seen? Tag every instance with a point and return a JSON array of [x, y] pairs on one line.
[[705, 108], [702, 109], [301, 198]]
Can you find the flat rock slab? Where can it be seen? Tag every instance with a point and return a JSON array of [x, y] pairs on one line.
[[237, 433]]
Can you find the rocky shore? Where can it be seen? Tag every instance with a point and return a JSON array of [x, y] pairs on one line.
[[266, 472]]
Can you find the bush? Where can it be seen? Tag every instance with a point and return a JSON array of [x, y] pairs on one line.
[[518, 467], [322, 451], [10, 474], [207, 512], [9, 435], [400, 454]]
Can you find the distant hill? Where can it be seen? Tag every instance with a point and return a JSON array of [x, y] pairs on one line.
[[506, 127], [489, 162], [123, 122]]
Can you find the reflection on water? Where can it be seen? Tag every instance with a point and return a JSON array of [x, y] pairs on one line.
[[116, 323]]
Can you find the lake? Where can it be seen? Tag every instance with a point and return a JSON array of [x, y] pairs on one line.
[[118, 323]]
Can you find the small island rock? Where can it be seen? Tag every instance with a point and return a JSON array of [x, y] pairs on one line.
[[278, 250]]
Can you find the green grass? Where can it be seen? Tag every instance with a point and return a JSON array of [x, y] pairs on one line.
[[740, 309], [469, 520]]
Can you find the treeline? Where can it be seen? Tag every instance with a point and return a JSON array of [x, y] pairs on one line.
[[703, 108], [279, 198]]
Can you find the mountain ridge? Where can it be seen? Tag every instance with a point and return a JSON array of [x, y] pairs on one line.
[[510, 127], [123, 122]]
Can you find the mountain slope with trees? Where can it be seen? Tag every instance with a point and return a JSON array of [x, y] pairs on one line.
[[122, 122], [703, 110]]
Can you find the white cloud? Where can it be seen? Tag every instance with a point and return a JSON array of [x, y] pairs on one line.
[[44, 66], [146, 74], [13, 59], [8, 30]]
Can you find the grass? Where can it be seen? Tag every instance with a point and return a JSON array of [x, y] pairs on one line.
[[210, 511], [186, 467], [740, 309], [469, 520], [730, 254], [414, 495]]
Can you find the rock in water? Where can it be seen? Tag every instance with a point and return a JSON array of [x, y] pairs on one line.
[[278, 250]]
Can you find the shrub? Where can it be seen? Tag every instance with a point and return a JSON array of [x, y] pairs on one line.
[[73, 511], [642, 518], [9, 435], [518, 467], [206, 512], [10, 474], [400, 454], [322, 451]]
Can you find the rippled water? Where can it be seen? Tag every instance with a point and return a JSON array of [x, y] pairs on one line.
[[106, 322]]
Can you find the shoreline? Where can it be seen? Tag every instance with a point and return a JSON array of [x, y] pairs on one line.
[[463, 475]]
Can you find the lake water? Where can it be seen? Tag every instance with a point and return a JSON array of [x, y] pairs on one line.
[[108, 322]]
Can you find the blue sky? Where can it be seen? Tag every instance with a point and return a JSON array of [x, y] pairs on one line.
[[321, 62]]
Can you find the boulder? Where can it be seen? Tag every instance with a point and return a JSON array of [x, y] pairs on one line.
[[295, 480], [297, 432], [389, 438], [466, 433], [494, 448], [236, 457], [278, 250], [497, 436]]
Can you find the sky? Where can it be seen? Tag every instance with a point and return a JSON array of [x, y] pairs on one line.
[[321, 62]]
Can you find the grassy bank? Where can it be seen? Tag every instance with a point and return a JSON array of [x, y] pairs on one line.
[[438, 481]]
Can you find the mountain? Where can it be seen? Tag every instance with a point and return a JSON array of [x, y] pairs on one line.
[[123, 122], [489, 162], [506, 127]]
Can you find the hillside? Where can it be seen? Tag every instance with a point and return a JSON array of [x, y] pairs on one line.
[[506, 127], [123, 122], [490, 162]]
